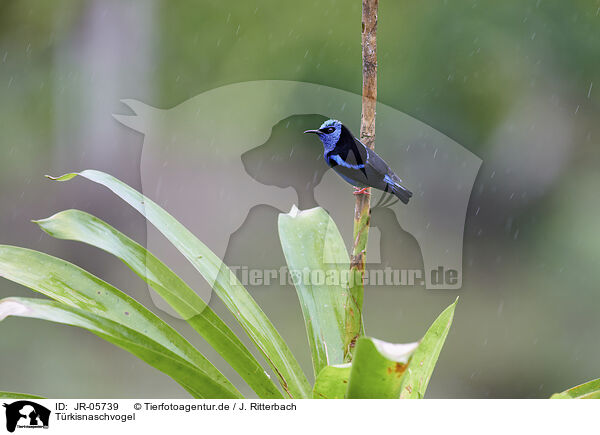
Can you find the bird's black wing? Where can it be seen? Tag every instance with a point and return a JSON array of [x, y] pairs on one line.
[[382, 177], [375, 167], [363, 167]]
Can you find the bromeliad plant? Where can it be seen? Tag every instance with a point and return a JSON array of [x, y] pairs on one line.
[[310, 241]]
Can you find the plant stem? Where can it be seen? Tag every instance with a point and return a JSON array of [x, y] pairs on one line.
[[362, 212]]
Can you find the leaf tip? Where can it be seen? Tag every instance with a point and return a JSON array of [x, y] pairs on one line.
[[294, 211], [43, 221], [397, 352], [11, 307], [64, 177]]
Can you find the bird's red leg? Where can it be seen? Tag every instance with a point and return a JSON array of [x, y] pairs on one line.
[[363, 191]]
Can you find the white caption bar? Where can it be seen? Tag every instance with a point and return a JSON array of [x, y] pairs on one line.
[[292, 416]]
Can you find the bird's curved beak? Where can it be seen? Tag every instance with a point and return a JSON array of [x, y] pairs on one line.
[[312, 131]]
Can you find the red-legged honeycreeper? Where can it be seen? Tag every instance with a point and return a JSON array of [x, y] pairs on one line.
[[356, 163]]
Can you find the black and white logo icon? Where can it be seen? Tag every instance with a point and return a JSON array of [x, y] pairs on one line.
[[26, 414]]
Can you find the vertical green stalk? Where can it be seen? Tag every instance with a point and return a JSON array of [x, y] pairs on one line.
[[362, 208]]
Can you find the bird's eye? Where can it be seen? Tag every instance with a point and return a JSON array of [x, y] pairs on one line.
[[329, 130]]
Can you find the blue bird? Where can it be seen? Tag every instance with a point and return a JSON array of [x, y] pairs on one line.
[[356, 163]]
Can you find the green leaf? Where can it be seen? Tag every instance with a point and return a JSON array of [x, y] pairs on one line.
[[223, 281], [589, 390], [9, 395], [378, 369], [73, 286], [332, 382], [194, 380], [425, 357], [319, 266], [83, 227]]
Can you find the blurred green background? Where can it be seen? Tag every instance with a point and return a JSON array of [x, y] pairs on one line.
[[516, 82]]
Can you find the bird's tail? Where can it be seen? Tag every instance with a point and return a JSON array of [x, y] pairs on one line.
[[402, 193]]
